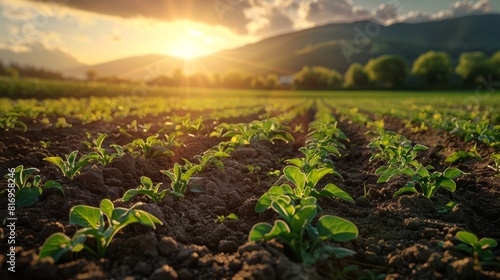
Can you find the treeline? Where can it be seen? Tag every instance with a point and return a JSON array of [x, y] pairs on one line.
[[431, 69], [14, 70], [390, 71], [230, 79]]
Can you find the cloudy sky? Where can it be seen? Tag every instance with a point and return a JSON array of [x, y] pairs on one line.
[[95, 31]]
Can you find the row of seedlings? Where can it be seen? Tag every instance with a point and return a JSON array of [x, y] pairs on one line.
[[295, 200]]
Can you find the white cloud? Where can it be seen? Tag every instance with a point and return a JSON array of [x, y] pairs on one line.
[[457, 9], [15, 48]]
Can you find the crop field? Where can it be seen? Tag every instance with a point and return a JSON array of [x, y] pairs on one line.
[[321, 185]]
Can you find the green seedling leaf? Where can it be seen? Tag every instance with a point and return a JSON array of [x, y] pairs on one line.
[[452, 173], [419, 147], [407, 189], [27, 196], [447, 184], [315, 175], [295, 176], [486, 255], [107, 207], [486, 243], [388, 174], [465, 248], [303, 217], [338, 252], [284, 207], [86, 216], [55, 246], [333, 190], [129, 195], [233, 216], [51, 184], [467, 237], [146, 181], [57, 161], [336, 228], [259, 231]]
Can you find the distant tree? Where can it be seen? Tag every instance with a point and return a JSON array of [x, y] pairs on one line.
[[473, 65], [317, 77], [387, 70], [355, 76], [161, 80], [91, 75], [495, 63], [270, 81], [236, 79], [178, 78], [200, 79], [433, 67], [259, 82], [273, 81]]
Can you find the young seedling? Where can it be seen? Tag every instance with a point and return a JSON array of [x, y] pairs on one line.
[[146, 188], [231, 216], [313, 159], [296, 230], [71, 166], [254, 169], [45, 144], [274, 173], [100, 154], [152, 147], [29, 191], [211, 157], [180, 178], [482, 131], [134, 127], [479, 248], [101, 224], [429, 182], [304, 186], [10, 121], [496, 163], [326, 137], [461, 155]]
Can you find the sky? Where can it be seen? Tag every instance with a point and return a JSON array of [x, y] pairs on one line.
[[96, 31]]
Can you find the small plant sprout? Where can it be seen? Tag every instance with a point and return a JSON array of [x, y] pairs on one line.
[[100, 154], [479, 248], [134, 127], [146, 188], [102, 224], [180, 178], [298, 233], [495, 158], [303, 186], [152, 147], [71, 166], [254, 169], [461, 155], [29, 191], [45, 144], [430, 182], [11, 121], [274, 173], [210, 157], [231, 216]]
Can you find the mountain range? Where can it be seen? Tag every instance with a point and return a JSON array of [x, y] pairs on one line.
[[333, 46]]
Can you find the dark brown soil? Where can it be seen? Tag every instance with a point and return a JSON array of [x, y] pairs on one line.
[[399, 237]]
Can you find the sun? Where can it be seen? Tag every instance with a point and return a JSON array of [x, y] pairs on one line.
[[187, 51]]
